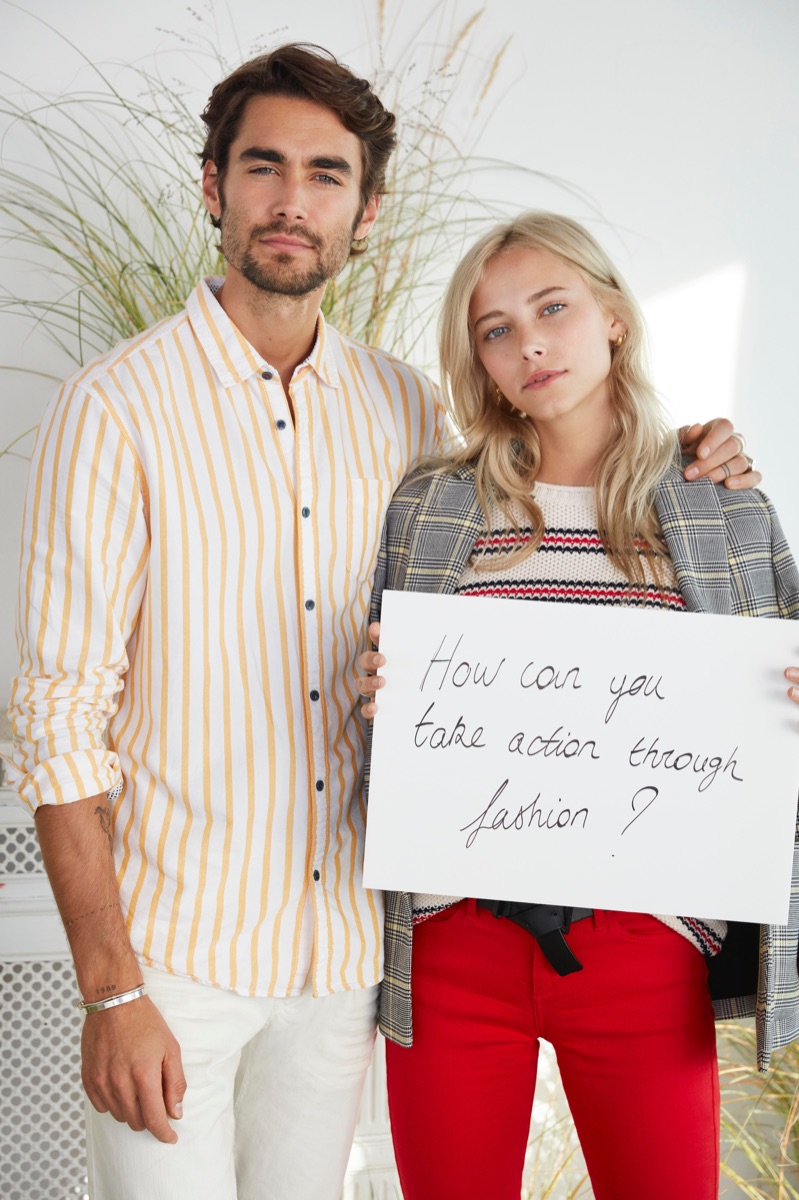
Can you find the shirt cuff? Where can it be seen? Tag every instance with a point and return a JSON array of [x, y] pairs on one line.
[[65, 778]]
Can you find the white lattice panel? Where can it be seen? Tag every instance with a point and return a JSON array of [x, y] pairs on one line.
[[41, 1101], [19, 851]]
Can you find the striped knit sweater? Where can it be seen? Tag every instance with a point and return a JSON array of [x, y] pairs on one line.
[[569, 565]]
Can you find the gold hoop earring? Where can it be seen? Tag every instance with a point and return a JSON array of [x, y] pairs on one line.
[[620, 340], [499, 399]]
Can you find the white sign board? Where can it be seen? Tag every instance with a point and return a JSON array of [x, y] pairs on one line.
[[602, 758]]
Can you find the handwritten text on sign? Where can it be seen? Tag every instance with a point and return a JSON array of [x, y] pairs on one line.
[[607, 758]]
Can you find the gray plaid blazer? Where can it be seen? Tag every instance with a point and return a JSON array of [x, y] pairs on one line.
[[730, 556]]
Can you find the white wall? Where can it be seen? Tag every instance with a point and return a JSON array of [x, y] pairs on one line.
[[675, 119]]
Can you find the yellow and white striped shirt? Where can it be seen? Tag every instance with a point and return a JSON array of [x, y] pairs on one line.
[[184, 538]]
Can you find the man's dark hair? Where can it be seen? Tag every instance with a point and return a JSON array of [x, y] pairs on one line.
[[309, 73]]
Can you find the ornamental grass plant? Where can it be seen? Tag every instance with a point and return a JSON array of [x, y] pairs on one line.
[[101, 211], [759, 1118]]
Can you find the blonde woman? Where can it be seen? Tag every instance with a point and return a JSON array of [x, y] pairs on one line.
[[566, 488]]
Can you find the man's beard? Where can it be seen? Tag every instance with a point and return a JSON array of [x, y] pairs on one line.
[[283, 275]]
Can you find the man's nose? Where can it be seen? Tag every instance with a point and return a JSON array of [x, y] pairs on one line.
[[290, 201]]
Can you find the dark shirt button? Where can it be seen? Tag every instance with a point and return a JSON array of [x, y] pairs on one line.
[[306, 512], [266, 375], [314, 694], [316, 876], [281, 424], [320, 786], [309, 604]]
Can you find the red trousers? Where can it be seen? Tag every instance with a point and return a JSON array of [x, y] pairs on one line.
[[634, 1037]]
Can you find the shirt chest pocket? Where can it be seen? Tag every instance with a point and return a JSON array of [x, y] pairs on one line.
[[367, 501]]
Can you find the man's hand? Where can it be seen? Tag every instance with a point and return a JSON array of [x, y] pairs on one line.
[[718, 452], [132, 1067], [368, 681]]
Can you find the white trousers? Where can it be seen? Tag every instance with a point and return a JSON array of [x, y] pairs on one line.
[[271, 1104]]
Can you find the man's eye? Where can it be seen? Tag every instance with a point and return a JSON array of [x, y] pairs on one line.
[[327, 179]]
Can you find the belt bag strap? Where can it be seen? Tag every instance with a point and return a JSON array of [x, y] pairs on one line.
[[547, 923]]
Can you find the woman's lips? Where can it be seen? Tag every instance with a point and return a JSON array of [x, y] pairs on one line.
[[541, 379]]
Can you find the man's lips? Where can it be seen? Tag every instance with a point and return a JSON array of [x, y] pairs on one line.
[[540, 379], [279, 241]]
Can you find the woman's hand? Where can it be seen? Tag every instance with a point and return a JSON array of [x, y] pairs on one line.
[[367, 681], [792, 674], [718, 454]]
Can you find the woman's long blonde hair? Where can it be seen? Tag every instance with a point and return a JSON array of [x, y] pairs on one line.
[[504, 448]]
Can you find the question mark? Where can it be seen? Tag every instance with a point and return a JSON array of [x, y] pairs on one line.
[[648, 788]]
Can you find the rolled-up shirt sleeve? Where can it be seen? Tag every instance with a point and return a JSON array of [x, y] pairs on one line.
[[83, 570]]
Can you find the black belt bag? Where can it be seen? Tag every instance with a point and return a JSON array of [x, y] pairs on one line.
[[547, 923]]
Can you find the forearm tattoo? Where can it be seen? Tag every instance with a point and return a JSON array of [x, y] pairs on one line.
[[105, 824]]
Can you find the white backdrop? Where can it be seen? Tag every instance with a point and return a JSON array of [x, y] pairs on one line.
[[676, 119]]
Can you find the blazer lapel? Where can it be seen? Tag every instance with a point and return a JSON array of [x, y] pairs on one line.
[[447, 526], [693, 525]]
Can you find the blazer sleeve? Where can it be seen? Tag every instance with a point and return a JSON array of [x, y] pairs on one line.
[[381, 573], [785, 570]]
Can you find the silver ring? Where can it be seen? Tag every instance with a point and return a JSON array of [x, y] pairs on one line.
[[726, 469], [741, 439], [750, 462]]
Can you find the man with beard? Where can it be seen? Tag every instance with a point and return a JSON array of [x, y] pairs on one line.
[[201, 527]]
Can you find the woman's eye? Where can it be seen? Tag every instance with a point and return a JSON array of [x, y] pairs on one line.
[[556, 306], [497, 331]]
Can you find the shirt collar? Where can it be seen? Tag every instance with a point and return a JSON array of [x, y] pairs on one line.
[[232, 357]]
